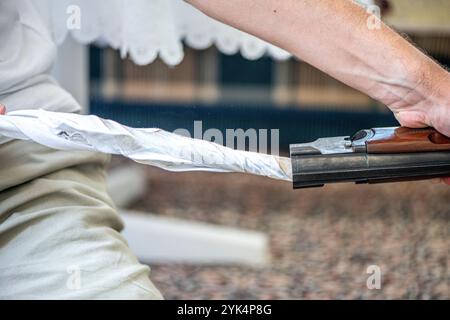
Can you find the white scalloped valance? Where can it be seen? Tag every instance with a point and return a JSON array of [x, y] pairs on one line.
[[146, 29]]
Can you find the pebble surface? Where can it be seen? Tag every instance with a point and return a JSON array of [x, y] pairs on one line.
[[321, 240]]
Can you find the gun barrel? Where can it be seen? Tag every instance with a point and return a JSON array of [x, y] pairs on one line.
[[372, 156], [317, 170]]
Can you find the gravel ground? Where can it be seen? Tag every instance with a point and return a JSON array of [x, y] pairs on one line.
[[321, 240]]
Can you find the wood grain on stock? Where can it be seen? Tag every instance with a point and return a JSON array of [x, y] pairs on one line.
[[401, 139]]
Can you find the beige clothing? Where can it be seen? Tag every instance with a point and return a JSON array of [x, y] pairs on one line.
[[59, 231]]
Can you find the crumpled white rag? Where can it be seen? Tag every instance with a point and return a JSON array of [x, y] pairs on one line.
[[152, 146]]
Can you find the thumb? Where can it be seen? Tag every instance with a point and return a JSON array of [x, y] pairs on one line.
[[2, 109], [411, 119], [437, 118]]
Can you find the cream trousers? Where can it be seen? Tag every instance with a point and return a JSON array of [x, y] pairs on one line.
[[59, 232]]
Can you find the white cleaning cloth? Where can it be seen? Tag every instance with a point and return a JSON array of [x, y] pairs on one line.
[[68, 131]]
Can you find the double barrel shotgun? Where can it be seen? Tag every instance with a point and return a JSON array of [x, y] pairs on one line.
[[372, 156]]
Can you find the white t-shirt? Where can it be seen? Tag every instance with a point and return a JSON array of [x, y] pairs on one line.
[[27, 53]]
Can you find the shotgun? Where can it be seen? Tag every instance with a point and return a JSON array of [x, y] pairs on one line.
[[372, 156]]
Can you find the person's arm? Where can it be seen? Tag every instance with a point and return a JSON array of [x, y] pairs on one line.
[[333, 35]]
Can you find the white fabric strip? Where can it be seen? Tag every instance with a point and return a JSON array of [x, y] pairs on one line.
[[68, 131]]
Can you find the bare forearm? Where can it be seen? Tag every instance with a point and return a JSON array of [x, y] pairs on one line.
[[334, 36]]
